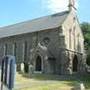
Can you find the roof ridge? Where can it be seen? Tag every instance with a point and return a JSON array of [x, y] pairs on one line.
[[39, 24]]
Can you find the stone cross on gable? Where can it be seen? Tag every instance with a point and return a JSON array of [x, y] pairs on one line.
[[71, 4]]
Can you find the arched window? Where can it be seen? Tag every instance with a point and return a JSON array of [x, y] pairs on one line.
[[79, 44], [70, 38], [5, 49], [14, 49], [46, 40], [74, 37], [24, 51]]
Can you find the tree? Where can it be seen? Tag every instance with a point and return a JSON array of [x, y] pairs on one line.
[[86, 32]]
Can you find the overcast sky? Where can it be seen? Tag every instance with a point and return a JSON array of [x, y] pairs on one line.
[[14, 11]]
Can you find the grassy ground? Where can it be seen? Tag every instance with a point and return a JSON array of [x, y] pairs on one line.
[[49, 82]]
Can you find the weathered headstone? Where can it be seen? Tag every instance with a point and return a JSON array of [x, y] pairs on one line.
[[8, 69], [19, 67], [31, 70], [22, 67], [80, 87]]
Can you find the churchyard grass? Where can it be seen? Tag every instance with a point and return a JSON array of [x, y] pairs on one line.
[[50, 82]]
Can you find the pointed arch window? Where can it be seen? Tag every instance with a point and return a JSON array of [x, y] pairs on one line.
[[14, 49], [24, 51], [70, 38], [74, 37], [5, 49]]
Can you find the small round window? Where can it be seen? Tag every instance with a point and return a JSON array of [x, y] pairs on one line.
[[46, 40]]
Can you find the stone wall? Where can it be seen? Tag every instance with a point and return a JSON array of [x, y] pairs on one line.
[[23, 46]]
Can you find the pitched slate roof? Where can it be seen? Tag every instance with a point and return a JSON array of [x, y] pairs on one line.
[[43, 23]]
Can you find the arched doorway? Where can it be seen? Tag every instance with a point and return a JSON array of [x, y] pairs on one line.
[[38, 65], [75, 64]]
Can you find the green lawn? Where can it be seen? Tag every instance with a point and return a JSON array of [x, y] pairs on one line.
[[50, 82]]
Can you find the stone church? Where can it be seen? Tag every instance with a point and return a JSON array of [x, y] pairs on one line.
[[52, 44]]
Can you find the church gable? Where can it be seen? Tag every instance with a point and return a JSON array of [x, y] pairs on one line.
[[72, 32]]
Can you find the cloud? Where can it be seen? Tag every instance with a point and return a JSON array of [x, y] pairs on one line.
[[56, 5]]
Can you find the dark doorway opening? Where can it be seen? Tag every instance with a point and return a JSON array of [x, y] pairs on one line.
[[75, 64], [38, 64], [26, 68]]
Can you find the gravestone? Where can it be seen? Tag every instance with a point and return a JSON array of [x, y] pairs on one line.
[[8, 69], [22, 67], [31, 70], [80, 87]]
